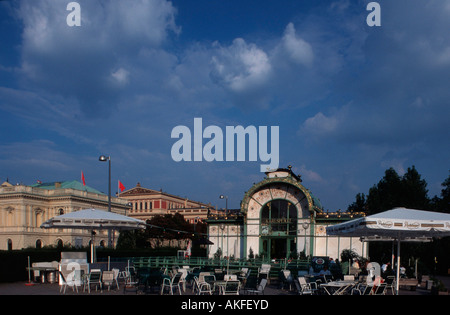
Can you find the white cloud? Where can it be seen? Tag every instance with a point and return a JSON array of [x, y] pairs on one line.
[[86, 62], [121, 76], [320, 125], [240, 66], [310, 175], [297, 49]]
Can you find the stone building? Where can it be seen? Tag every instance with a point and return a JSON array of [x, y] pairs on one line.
[[24, 208], [147, 203], [279, 218]]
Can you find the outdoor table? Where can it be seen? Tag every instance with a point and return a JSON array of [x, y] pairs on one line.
[[337, 287]]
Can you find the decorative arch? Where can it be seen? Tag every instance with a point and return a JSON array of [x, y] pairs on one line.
[[283, 235], [282, 188]]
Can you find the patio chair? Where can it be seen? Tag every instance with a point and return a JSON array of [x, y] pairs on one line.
[[390, 284], [67, 283], [285, 279], [211, 280], [172, 284], [94, 278], [361, 289], [108, 279], [202, 287], [380, 290], [305, 287], [231, 288], [259, 289], [184, 274], [131, 283], [116, 277], [245, 274], [264, 271]]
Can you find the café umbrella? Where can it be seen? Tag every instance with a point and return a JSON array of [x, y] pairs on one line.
[[93, 219], [399, 224]]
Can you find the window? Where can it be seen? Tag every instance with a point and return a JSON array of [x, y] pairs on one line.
[[279, 216]]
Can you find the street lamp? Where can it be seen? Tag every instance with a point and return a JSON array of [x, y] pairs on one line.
[[226, 203], [104, 158]]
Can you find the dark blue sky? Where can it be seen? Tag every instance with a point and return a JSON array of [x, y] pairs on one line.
[[350, 100]]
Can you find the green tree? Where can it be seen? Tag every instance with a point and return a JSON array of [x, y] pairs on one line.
[[360, 205], [409, 191], [386, 194], [414, 191], [443, 204]]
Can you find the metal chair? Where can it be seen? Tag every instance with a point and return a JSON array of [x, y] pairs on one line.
[[305, 287], [231, 288], [173, 283], [108, 279], [94, 278], [390, 284], [380, 290], [259, 289], [202, 287]]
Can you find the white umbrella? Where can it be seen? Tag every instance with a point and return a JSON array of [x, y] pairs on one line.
[[399, 224], [94, 219]]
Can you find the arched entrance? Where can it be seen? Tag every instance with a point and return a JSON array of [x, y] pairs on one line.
[[280, 214], [278, 229]]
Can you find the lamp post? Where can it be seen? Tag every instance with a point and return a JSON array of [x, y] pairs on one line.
[[226, 203], [104, 158]]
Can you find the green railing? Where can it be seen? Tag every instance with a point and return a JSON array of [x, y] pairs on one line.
[[224, 264]]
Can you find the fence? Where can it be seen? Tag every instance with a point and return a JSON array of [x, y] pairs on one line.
[[211, 264]]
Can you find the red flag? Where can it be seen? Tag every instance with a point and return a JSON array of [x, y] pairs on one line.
[[82, 178], [121, 186]]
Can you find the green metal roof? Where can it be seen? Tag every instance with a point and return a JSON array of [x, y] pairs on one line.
[[67, 185]]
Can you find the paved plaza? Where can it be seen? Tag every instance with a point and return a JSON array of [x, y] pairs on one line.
[[273, 289]]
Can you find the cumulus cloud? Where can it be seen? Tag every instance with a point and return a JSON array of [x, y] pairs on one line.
[[240, 66], [87, 62], [320, 125], [297, 49]]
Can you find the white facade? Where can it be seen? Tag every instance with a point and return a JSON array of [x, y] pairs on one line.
[[24, 208], [278, 219]]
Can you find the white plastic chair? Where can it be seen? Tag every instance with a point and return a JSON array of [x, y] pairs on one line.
[[108, 279], [202, 286], [172, 284], [305, 287], [67, 283]]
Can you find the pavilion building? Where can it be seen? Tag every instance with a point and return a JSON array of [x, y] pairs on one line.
[[279, 218]]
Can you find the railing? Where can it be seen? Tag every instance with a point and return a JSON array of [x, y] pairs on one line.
[[205, 263]]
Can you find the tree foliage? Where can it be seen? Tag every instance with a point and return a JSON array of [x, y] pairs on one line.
[[392, 191], [159, 229]]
